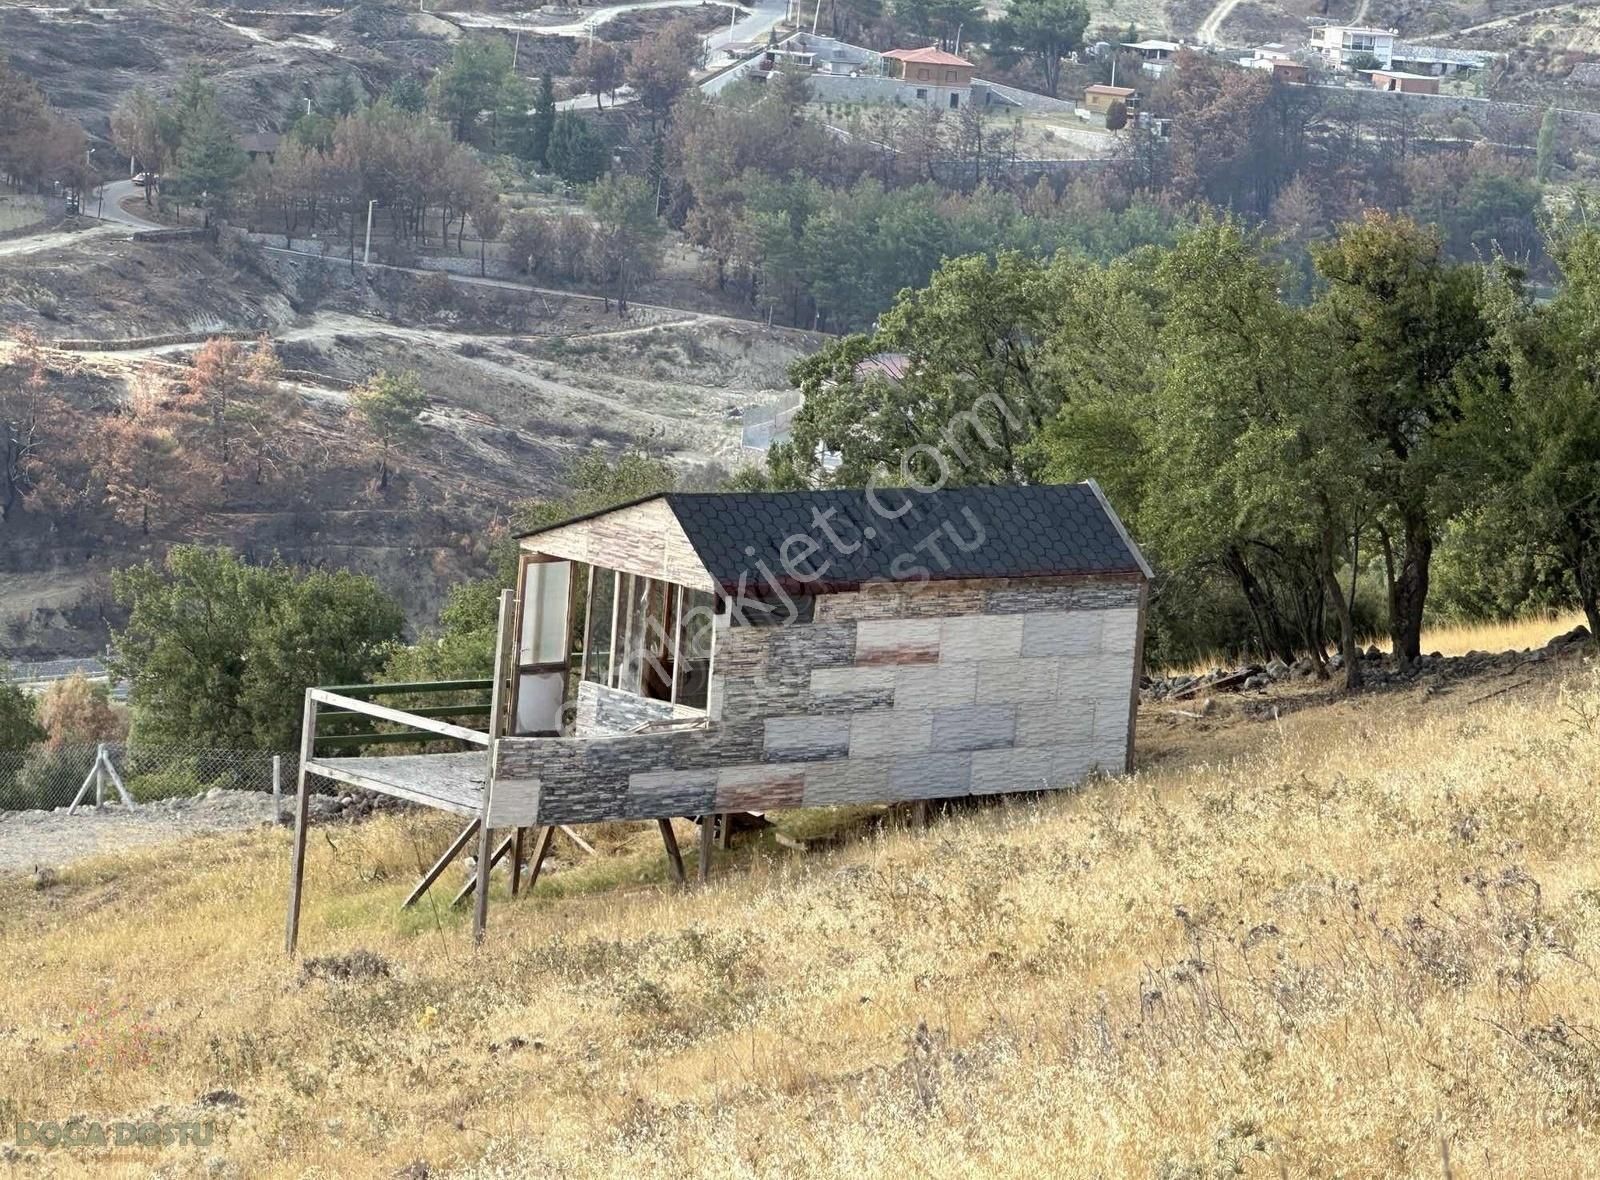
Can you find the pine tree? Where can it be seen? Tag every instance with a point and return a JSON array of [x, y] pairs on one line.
[[544, 122]]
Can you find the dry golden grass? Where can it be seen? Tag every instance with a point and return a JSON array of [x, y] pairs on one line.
[[1372, 938]]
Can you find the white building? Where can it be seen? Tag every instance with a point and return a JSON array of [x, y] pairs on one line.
[[1340, 44]]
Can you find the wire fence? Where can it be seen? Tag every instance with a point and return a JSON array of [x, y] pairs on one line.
[[45, 777]]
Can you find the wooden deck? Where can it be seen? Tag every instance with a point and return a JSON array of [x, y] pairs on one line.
[[449, 782]]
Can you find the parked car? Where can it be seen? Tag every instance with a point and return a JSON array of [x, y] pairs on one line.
[[147, 179]]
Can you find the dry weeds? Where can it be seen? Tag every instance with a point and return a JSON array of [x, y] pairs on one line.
[[1370, 942]]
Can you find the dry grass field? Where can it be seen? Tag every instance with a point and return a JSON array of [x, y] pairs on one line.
[[1359, 941]]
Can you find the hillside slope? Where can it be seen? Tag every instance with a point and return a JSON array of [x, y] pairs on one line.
[[520, 383], [1347, 943]]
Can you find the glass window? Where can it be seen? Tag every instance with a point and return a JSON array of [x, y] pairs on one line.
[[546, 588]]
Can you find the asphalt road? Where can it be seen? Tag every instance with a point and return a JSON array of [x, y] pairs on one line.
[[116, 192]]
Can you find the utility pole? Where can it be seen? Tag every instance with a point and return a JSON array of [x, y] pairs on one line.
[[366, 254], [516, 51]]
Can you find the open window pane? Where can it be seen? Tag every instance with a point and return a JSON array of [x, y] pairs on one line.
[[597, 644]]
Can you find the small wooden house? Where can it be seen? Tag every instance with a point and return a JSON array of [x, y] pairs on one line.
[[1099, 98], [700, 654]]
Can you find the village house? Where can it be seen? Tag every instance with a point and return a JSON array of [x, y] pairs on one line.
[[1339, 45], [258, 144], [936, 77], [700, 655], [1404, 83], [841, 72], [1154, 56], [1097, 99]]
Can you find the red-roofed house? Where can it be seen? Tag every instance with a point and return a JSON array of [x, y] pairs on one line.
[[937, 76]]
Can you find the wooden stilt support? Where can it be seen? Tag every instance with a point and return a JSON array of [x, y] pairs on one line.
[[724, 831], [485, 863], [516, 861], [674, 857], [919, 814], [707, 823], [297, 868], [579, 840], [441, 864], [541, 849]]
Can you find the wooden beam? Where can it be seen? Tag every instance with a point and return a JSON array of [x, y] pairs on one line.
[[616, 606], [297, 861], [440, 865], [674, 857], [541, 849], [588, 626], [416, 686], [341, 741], [707, 823], [481, 872], [579, 840], [480, 710], [516, 861], [399, 717], [677, 647]]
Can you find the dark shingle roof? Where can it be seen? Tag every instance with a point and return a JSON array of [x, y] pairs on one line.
[[821, 541]]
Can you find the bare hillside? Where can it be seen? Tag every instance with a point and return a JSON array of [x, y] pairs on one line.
[[520, 383]]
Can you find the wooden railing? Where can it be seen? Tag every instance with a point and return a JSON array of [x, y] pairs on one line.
[[350, 702]]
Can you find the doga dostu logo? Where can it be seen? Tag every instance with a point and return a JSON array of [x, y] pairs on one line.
[[92, 1133]]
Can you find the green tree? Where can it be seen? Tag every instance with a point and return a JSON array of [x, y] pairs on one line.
[[1533, 420], [577, 152], [219, 652], [1117, 115], [1042, 31], [1545, 146], [1403, 323], [210, 161], [629, 236], [19, 722], [972, 393], [408, 95], [471, 83], [543, 122], [388, 406], [342, 98]]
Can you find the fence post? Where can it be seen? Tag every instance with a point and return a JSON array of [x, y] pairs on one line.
[[277, 786], [100, 776]]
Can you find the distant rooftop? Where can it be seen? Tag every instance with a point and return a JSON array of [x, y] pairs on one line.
[[931, 56], [1153, 45], [1114, 91]]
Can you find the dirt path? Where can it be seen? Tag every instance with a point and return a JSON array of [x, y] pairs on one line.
[[51, 839], [1207, 33], [53, 240]]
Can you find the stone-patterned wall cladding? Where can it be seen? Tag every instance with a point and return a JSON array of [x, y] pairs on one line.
[[606, 712], [888, 696]]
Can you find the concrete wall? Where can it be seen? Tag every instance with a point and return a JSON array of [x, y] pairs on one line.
[[870, 88], [891, 695]]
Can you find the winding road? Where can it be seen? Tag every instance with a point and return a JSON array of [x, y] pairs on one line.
[[117, 192]]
